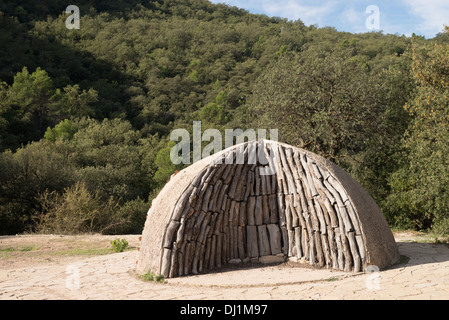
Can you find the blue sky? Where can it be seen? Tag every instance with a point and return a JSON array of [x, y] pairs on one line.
[[423, 17]]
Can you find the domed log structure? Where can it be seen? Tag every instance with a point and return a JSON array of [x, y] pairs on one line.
[[222, 209]]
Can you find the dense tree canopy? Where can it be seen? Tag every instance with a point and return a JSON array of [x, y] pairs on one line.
[[86, 115]]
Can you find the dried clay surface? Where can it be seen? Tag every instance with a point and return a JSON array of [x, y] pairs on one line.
[[38, 273]]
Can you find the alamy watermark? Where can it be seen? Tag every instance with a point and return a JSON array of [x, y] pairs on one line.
[[372, 282], [372, 22], [256, 152], [73, 21], [72, 281]]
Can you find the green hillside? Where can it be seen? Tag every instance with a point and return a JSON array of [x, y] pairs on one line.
[[85, 115]]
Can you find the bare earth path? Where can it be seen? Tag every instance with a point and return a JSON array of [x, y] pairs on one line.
[[424, 276]]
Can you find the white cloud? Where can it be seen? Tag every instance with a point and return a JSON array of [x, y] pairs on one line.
[[310, 12], [433, 13]]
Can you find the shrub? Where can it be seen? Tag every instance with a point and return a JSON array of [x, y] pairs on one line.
[[119, 245], [76, 211]]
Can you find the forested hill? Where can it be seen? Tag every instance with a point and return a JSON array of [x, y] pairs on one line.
[[85, 114]]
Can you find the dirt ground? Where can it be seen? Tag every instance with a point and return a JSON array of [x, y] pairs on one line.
[[36, 267]]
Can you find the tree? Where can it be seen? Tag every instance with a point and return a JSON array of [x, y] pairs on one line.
[[330, 103], [420, 197]]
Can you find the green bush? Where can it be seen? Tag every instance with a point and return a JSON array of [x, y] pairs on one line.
[[119, 245], [76, 211]]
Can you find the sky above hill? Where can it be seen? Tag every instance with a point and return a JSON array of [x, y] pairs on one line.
[[422, 17]]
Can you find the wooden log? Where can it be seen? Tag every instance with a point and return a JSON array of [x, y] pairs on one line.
[[197, 226], [206, 198], [230, 176], [340, 253], [192, 257], [223, 248], [292, 212], [232, 212], [331, 212], [312, 249], [274, 184], [250, 211], [225, 217], [201, 259], [215, 194], [342, 215], [227, 173], [213, 251], [332, 248], [354, 252], [258, 213], [189, 227], [257, 182], [187, 258], [210, 174], [313, 215], [298, 242], [218, 223], [252, 242], [361, 247], [265, 209], [326, 250], [285, 243], [274, 214], [281, 179], [270, 153], [334, 192], [288, 214], [347, 223], [346, 253], [305, 243], [291, 163], [248, 184], [304, 162], [252, 153], [226, 244], [301, 183], [354, 219], [263, 182], [241, 242], [337, 186], [218, 253], [302, 221], [318, 181], [221, 167], [287, 172], [199, 202], [180, 255], [197, 181], [194, 196], [196, 258], [264, 244], [281, 210], [235, 242], [207, 254], [212, 224], [173, 264], [242, 214], [319, 249], [291, 243], [269, 188], [182, 203], [275, 238], [204, 229], [170, 232], [241, 185], [320, 215]]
